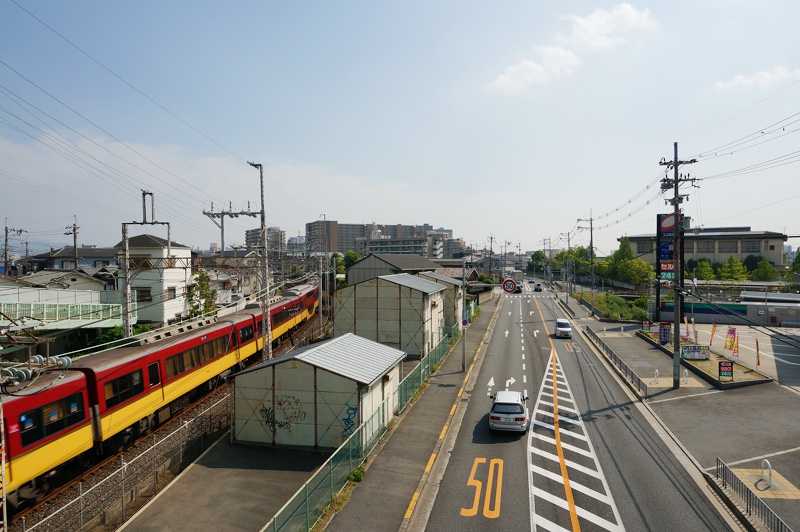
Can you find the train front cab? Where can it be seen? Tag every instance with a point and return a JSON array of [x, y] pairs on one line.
[[47, 425]]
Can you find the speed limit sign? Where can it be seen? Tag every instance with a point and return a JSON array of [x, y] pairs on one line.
[[509, 285]]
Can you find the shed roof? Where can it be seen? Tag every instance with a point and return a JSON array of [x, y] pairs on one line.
[[350, 356], [404, 261], [405, 279], [442, 278]]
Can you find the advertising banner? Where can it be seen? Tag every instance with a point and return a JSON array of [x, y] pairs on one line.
[[730, 338], [696, 352], [664, 332], [725, 369]]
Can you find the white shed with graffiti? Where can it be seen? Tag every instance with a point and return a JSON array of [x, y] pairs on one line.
[[316, 396]]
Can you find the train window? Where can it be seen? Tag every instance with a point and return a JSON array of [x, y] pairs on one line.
[[123, 388], [173, 365], [30, 424], [234, 339], [153, 374], [246, 333], [51, 418], [208, 351]]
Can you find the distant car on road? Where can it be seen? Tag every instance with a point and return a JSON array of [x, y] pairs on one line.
[[563, 328], [518, 289], [537, 288], [508, 412]]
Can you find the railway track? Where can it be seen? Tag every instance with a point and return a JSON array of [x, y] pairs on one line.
[[70, 490]]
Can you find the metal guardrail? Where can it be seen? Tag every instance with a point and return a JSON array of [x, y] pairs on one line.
[[754, 505], [634, 379]]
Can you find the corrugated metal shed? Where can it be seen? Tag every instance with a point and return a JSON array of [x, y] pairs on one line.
[[350, 356], [404, 279], [442, 278]]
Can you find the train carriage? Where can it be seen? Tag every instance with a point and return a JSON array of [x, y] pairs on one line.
[[46, 424], [107, 399]]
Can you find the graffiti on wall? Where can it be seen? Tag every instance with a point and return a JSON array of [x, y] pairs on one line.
[[291, 407], [288, 408], [349, 421], [268, 415]]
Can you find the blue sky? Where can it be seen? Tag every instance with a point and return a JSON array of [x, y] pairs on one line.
[[510, 120]]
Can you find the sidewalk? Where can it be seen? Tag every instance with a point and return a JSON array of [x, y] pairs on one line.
[[400, 464]]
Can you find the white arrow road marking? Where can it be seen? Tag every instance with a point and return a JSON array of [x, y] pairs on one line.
[[536, 333], [506, 334], [531, 313], [491, 382], [510, 381], [509, 313]]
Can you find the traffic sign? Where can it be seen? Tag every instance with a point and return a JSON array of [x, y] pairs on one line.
[[509, 285]]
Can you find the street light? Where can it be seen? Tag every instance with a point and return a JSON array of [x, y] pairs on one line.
[[266, 348]]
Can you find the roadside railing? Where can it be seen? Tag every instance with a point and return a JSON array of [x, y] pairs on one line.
[[629, 374], [754, 505], [413, 381]]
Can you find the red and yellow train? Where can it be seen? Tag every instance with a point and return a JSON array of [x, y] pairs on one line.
[[104, 400]]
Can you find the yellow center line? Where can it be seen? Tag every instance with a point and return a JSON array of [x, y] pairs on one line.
[[573, 514]]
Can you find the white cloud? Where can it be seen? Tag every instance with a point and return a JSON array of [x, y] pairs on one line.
[[552, 62], [601, 30], [760, 80]]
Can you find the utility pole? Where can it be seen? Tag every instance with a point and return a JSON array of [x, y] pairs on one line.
[[591, 250], [677, 282], [5, 252], [73, 230], [569, 264], [491, 256], [266, 326]]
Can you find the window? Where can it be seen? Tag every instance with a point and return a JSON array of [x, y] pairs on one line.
[[123, 388], [143, 294], [171, 293], [751, 247], [728, 246], [688, 247], [54, 417], [246, 334], [153, 374], [643, 247], [173, 366], [705, 246]]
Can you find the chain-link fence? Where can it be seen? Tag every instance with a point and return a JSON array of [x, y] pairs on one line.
[[118, 496]]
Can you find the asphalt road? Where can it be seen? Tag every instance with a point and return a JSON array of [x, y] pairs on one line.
[[591, 459]]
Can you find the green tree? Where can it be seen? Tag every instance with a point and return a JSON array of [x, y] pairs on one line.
[[765, 271], [704, 270], [635, 271], [732, 270], [796, 264], [202, 299], [751, 262], [625, 251], [350, 258]]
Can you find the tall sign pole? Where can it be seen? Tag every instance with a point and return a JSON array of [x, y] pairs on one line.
[[678, 254]]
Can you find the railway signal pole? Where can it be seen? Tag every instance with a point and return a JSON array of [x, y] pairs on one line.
[[677, 282]]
